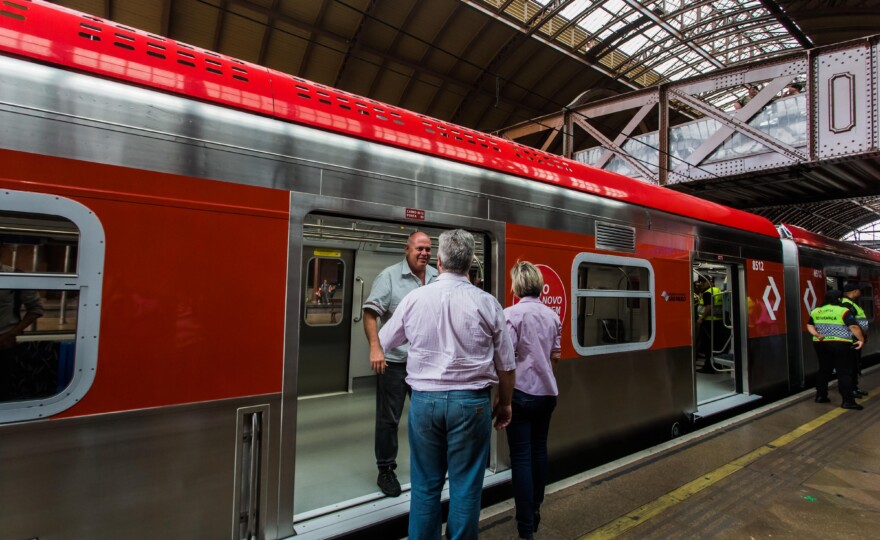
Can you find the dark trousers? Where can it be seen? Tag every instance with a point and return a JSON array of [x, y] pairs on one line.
[[527, 440], [391, 392], [836, 355], [712, 335]]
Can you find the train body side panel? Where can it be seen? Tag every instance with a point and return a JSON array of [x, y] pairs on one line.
[[194, 284], [604, 397]]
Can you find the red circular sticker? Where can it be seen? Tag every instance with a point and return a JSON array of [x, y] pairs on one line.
[[553, 296]]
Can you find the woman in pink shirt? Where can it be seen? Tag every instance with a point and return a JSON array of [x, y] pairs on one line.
[[536, 332]]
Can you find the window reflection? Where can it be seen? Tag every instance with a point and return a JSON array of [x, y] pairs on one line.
[[325, 292], [37, 327]]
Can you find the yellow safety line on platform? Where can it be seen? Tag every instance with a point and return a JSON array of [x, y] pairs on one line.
[[640, 515]]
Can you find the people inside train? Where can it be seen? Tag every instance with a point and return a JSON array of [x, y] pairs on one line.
[[836, 334], [851, 294], [12, 325], [458, 349], [325, 292], [388, 290], [536, 332], [712, 334]]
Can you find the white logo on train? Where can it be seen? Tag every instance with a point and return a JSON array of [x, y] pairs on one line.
[[810, 298], [553, 295], [771, 309]]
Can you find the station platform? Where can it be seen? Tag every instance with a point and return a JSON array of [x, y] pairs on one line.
[[791, 469]]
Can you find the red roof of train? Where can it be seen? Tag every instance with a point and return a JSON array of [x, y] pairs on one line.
[[807, 238], [58, 35]]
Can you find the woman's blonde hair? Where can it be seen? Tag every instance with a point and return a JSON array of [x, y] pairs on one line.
[[526, 279]]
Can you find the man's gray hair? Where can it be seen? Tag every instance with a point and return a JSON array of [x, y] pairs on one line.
[[456, 251]]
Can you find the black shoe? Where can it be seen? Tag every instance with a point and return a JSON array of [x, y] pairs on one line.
[[859, 393], [707, 371], [388, 483], [822, 399], [854, 406]]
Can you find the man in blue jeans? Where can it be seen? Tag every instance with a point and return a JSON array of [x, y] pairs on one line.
[[458, 349]]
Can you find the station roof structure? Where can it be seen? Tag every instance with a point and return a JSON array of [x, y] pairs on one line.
[[489, 64]]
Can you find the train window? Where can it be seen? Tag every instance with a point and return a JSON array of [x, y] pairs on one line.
[[51, 260], [325, 295], [614, 309]]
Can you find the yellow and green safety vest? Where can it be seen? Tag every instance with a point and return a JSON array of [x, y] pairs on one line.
[[717, 303], [857, 311], [828, 321]]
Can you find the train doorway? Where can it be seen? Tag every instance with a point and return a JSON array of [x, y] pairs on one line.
[[717, 330], [335, 459]]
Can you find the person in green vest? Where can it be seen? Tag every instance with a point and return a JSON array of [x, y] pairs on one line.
[[836, 334], [710, 324], [851, 294]]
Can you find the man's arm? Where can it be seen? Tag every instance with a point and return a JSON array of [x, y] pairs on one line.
[[371, 329], [503, 410], [34, 306], [814, 332], [860, 336]]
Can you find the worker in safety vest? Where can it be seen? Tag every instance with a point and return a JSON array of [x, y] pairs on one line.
[[851, 293], [710, 324], [836, 334]]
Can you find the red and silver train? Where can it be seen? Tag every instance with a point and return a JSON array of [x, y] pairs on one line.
[[178, 210]]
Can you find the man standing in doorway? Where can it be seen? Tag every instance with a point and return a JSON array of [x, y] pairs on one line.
[[458, 349], [389, 288]]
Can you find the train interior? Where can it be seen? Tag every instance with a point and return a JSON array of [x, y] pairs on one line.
[[39, 363], [717, 329], [335, 460]]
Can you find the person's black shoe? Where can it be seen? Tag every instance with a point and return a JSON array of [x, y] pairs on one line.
[[854, 406], [859, 393], [822, 399], [388, 483]]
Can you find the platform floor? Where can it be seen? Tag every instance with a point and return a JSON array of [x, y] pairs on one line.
[[795, 471]]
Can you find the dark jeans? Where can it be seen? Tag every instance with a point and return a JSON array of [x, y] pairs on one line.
[[527, 439], [391, 392], [837, 355]]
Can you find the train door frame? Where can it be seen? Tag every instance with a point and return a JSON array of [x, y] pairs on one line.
[[302, 205], [735, 271]]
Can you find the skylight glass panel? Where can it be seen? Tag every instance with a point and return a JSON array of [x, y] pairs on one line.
[[707, 35]]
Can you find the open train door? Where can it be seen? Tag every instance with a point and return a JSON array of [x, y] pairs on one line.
[[719, 337]]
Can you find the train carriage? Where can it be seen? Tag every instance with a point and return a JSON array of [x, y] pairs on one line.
[[179, 210], [813, 265]]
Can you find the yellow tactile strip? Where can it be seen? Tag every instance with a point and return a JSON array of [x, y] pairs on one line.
[[640, 515]]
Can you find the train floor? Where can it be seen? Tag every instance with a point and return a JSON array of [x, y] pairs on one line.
[[793, 469]]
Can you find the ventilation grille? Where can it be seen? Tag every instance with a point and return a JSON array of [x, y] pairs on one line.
[[615, 237]]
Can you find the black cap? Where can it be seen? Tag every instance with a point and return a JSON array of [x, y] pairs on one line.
[[849, 287], [832, 297]]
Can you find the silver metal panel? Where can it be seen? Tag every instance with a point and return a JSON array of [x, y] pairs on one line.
[[844, 100], [638, 389], [108, 122], [161, 473], [794, 338]]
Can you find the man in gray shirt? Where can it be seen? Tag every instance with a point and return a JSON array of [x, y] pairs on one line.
[[389, 288]]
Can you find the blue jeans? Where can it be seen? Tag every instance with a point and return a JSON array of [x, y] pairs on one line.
[[527, 439], [448, 431], [391, 391]]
